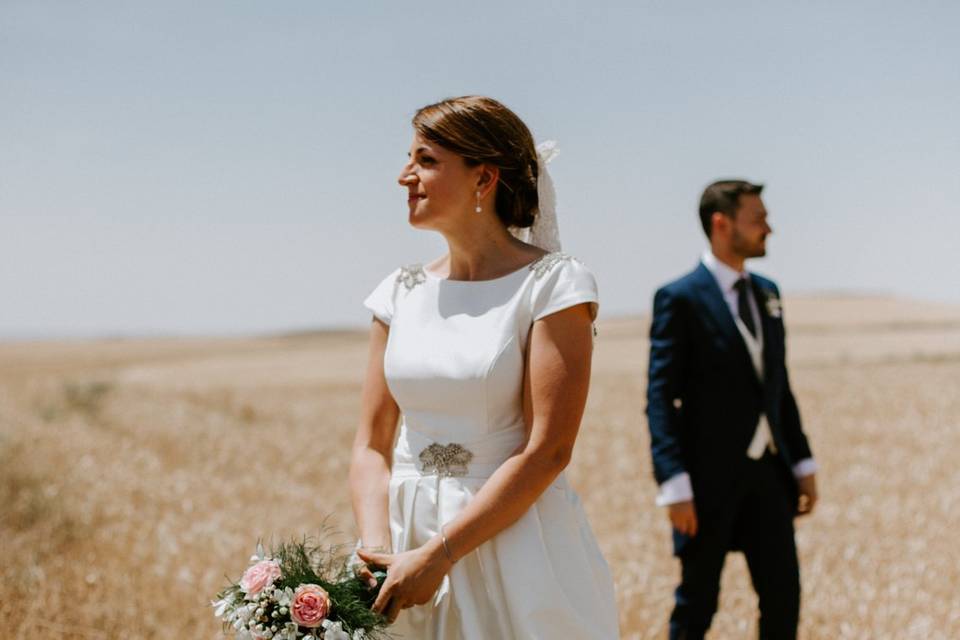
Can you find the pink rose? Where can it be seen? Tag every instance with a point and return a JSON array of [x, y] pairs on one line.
[[310, 607], [258, 577]]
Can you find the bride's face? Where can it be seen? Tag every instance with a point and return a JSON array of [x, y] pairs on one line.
[[441, 188]]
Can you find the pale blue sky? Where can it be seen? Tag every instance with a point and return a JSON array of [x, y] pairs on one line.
[[225, 167]]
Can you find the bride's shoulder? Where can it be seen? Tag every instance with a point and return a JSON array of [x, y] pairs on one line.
[[406, 276], [558, 264], [561, 281], [384, 297]]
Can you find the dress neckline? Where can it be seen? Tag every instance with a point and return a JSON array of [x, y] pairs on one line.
[[530, 265]]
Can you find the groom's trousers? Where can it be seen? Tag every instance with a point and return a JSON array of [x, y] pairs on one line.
[[759, 522]]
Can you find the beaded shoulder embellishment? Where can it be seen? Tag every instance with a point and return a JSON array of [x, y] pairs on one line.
[[412, 275], [546, 262]]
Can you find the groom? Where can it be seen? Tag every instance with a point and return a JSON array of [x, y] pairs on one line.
[[729, 454]]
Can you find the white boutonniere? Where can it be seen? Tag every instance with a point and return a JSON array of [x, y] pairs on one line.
[[774, 308]]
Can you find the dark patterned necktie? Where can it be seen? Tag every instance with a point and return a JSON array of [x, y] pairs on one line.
[[743, 306]]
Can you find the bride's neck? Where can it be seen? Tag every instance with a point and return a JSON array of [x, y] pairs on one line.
[[479, 253]]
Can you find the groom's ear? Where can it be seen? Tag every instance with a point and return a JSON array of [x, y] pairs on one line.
[[719, 221]]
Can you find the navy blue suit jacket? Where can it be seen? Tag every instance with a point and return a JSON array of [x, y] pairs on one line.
[[704, 398]]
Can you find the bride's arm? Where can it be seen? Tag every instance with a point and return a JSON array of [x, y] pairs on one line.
[[372, 448], [555, 392]]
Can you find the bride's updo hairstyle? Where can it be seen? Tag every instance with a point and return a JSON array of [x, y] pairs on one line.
[[484, 131]]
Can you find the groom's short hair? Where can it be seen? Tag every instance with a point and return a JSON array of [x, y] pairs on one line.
[[724, 196]]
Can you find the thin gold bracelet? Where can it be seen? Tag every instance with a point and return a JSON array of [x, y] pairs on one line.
[[446, 549]]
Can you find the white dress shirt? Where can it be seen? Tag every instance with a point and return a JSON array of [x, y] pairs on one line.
[[678, 488]]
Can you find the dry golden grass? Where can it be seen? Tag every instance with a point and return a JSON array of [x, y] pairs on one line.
[[135, 474]]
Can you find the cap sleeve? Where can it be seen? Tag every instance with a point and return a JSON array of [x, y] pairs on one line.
[[382, 299], [566, 283]]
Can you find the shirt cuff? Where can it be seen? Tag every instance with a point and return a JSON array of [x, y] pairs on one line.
[[676, 489], [804, 468]]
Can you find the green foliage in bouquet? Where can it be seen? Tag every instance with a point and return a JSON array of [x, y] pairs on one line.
[[305, 563], [302, 589]]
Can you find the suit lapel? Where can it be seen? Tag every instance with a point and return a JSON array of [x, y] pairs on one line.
[[712, 297]]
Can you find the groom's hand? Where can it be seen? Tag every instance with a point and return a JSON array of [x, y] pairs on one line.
[[807, 486], [683, 517]]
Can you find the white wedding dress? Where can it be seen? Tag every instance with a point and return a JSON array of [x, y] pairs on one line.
[[454, 363]]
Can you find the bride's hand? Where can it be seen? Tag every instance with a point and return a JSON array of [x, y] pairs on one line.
[[363, 572], [413, 577]]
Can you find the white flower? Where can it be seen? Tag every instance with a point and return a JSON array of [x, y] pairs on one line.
[[334, 631], [359, 634], [244, 613], [284, 598], [774, 308], [222, 606]]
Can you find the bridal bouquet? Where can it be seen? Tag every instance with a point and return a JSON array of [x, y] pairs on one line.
[[300, 591]]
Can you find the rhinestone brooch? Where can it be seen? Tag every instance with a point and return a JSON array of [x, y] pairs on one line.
[[447, 460]]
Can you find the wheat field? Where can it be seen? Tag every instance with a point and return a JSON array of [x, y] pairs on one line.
[[136, 474]]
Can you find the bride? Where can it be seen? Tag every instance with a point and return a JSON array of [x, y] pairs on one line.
[[482, 359]]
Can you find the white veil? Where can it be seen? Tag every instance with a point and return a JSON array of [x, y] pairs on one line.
[[545, 232]]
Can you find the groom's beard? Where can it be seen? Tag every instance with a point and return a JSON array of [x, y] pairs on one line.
[[744, 248]]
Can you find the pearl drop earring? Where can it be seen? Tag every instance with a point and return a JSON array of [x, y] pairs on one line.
[[479, 209]]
